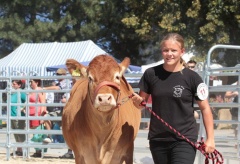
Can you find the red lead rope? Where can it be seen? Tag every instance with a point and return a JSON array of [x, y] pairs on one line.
[[215, 156]]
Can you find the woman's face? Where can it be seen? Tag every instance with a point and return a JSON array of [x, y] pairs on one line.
[[15, 85], [172, 52], [33, 84]]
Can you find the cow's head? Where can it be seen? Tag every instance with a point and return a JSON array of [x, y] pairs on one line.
[[104, 75]]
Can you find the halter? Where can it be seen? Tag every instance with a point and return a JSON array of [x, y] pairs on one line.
[[110, 84]]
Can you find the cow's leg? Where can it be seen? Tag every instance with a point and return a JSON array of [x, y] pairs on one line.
[[128, 157], [86, 157], [79, 159], [123, 155], [107, 159]]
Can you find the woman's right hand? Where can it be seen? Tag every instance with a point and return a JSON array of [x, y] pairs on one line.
[[137, 101]]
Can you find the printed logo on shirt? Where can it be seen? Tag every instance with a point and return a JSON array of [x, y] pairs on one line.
[[202, 91], [178, 91]]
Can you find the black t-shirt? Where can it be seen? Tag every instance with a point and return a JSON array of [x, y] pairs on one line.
[[173, 96]]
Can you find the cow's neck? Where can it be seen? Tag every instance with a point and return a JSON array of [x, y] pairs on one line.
[[102, 123], [107, 119]]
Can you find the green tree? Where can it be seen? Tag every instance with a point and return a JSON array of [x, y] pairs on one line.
[[203, 23], [68, 21], [49, 21]]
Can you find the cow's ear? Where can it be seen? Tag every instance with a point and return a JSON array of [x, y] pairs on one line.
[[75, 68], [124, 65]]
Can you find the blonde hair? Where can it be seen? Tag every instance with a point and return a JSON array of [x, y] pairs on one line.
[[178, 38]]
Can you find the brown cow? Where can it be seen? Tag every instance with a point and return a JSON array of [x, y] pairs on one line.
[[98, 125]]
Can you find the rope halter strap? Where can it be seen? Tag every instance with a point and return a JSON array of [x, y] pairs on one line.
[[215, 156]]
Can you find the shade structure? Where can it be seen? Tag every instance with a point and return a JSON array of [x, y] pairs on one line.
[[31, 58], [131, 68]]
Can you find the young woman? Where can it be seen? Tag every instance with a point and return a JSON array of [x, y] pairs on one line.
[[35, 98], [234, 111], [173, 88], [18, 97]]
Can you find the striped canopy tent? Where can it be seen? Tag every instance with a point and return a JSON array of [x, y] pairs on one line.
[[34, 58], [132, 69]]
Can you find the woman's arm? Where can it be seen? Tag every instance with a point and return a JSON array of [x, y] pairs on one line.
[[208, 123], [42, 99], [138, 98], [231, 94]]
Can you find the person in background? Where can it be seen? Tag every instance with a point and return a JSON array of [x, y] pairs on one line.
[[18, 97], [214, 98], [55, 111], [49, 99], [73, 72], [233, 95], [50, 96], [173, 88], [69, 153], [36, 98], [191, 64]]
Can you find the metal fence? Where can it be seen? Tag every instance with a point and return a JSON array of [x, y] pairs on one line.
[[219, 89], [5, 114], [5, 106]]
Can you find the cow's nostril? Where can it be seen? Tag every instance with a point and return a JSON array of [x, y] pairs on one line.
[[104, 98]]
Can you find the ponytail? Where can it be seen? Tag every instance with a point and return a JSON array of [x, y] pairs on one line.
[[183, 62]]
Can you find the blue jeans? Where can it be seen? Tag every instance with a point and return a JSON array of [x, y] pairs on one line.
[[173, 152]]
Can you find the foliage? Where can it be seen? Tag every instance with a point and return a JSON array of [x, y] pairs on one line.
[[123, 28], [48, 21], [203, 23]]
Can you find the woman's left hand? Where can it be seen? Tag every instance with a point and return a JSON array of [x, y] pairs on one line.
[[210, 146]]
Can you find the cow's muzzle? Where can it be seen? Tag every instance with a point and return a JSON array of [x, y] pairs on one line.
[[110, 84]]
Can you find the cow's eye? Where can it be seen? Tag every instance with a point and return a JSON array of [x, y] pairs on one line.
[[117, 77], [90, 79]]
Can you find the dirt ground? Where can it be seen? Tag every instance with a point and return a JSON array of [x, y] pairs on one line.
[[48, 159]]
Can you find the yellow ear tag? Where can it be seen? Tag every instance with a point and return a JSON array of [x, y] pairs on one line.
[[76, 72]]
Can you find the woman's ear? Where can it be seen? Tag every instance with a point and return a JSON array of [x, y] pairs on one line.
[[182, 51]]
